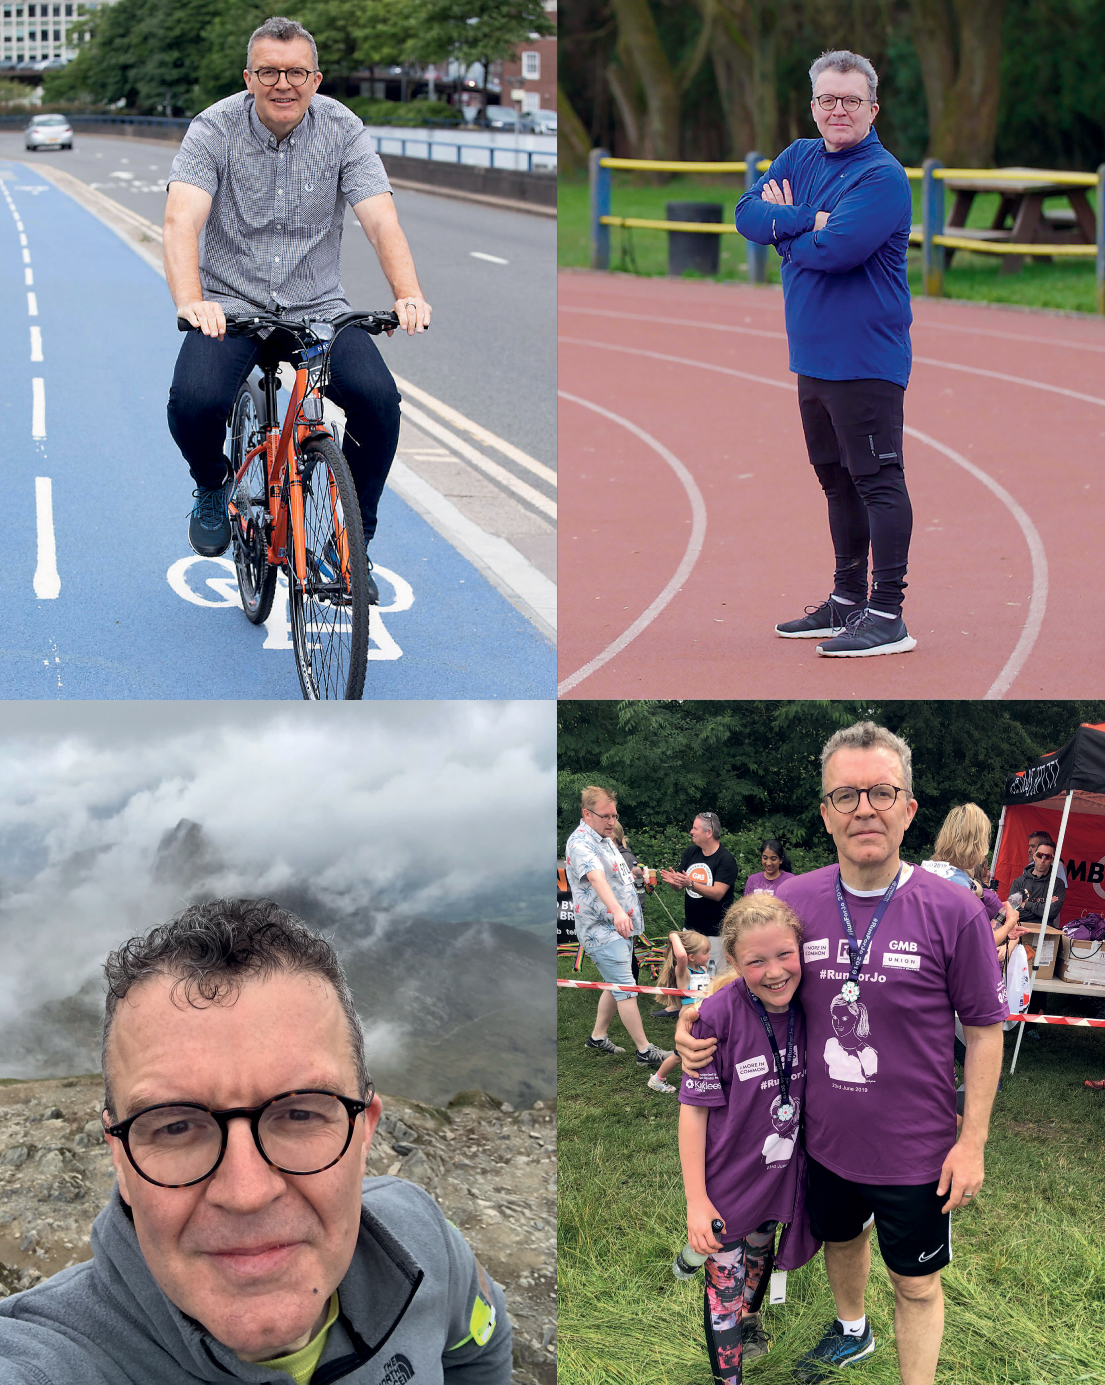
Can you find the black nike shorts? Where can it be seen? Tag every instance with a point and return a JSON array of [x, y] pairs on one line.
[[915, 1237]]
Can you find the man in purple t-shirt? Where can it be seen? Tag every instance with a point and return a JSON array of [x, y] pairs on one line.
[[880, 1096]]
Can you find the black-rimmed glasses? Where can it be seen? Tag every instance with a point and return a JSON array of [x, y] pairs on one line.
[[179, 1143], [880, 796], [850, 103], [603, 817], [269, 76]]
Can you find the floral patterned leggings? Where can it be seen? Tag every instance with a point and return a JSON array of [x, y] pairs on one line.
[[732, 1278]]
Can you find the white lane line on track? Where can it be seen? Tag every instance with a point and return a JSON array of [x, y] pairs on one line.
[[491, 259], [26, 257], [922, 322], [781, 336], [47, 583], [686, 563], [38, 407], [32, 305], [1038, 601], [1036, 552], [28, 276], [36, 343]]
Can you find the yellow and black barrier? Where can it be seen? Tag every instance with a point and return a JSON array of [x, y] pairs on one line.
[[931, 235]]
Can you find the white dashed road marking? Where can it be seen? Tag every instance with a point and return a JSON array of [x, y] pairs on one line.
[[47, 583], [38, 409]]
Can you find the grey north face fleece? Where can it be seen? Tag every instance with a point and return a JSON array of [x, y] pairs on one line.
[[405, 1302]]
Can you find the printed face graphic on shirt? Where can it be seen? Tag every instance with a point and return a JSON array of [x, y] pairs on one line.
[[699, 874], [779, 1145], [849, 1056]]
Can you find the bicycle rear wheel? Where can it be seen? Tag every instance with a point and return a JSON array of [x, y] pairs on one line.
[[256, 575], [329, 609]]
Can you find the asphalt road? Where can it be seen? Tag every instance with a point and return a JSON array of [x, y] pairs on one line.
[[491, 352], [103, 598]]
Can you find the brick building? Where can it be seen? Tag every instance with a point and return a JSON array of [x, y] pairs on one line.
[[529, 81]]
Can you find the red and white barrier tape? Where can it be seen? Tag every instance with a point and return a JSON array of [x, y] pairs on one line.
[[610, 986], [668, 990]]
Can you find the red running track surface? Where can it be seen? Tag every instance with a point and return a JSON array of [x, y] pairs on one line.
[[691, 521]]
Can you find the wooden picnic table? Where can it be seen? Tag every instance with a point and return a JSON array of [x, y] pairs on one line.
[[1020, 218]]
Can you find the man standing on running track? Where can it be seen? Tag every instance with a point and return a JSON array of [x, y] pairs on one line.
[[838, 210], [266, 176], [890, 956]]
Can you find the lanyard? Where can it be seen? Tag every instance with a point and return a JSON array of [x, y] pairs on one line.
[[858, 951], [784, 1069]]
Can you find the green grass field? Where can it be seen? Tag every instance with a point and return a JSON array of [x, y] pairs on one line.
[[1025, 1294], [1065, 284]]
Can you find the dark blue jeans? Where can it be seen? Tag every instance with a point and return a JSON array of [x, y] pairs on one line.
[[209, 374]]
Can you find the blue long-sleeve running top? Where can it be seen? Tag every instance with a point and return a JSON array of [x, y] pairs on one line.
[[844, 287]]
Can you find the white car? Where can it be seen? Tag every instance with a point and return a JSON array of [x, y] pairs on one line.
[[544, 122], [45, 131]]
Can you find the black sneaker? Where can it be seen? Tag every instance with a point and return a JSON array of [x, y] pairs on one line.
[[665, 1014], [818, 622], [836, 1348], [868, 633], [603, 1045], [753, 1338], [209, 526], [652, 1056]]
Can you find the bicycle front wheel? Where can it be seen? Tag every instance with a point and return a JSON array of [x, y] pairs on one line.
[[329, 608], [256, 576]]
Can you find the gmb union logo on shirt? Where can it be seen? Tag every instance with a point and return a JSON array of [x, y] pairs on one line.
[[700, 874]]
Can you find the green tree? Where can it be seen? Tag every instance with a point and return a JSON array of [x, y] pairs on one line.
[[473, 31]]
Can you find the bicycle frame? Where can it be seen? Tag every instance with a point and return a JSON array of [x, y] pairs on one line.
[[282, 446]]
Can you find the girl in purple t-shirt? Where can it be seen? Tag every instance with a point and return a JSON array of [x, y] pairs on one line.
[[776, 868], [739, 1119], [685, 961]]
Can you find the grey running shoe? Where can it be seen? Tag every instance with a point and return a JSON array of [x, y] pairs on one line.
[[818, 622], [867, 634], [753, 1339], [603, 1045], [652, 1056]]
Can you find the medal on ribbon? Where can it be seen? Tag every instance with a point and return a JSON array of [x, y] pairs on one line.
[[849, 991]]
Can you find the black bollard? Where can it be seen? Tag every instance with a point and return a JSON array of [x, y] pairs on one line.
[[696, 250]]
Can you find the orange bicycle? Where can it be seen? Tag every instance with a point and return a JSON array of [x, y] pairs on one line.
[[293, 505]]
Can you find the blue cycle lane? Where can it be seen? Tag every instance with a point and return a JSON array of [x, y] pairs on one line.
[[126, 610]]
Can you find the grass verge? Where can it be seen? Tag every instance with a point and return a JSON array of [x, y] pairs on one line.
[[1024, 1294], [1068, 285]]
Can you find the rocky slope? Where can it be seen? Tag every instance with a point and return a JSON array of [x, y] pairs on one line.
[[492, 1170]]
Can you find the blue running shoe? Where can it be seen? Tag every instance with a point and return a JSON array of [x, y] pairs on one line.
[[836, 1348], [866, 634], [209, 526]]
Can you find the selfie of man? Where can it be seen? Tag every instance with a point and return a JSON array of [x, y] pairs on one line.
[[240, 1240]]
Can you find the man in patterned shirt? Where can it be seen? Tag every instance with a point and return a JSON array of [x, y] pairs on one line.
[[607, 919], [262, 179]]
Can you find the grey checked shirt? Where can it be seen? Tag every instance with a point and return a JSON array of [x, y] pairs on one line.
[[273, 235]]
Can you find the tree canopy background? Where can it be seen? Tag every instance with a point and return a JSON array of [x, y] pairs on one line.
[[186, 54], [972, 82], [758, 765]]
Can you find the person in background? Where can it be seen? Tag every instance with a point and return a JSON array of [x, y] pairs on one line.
[[776, 868], [1033, 884], [1034, 841], [708, 874], [608, 918], [686, 967]]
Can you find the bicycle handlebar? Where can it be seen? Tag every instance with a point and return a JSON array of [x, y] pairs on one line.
[[245, 325]]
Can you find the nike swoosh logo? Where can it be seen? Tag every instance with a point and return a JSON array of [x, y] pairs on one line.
[[930, 1254]]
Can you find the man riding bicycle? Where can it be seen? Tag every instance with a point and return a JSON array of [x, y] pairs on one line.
[[266, 175]]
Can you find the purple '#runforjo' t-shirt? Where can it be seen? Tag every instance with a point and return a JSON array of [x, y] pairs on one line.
[[750, 1165], [880, 1104], [759, 881]]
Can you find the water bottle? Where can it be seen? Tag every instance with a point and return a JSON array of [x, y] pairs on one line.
[[688, 1262]]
